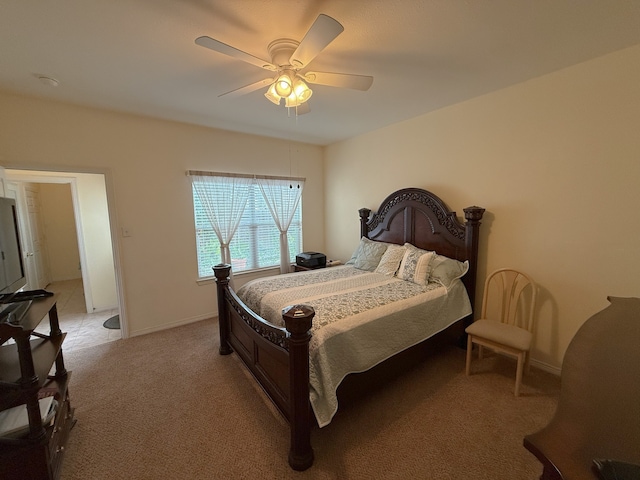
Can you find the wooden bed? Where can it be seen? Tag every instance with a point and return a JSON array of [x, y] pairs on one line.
[[279, 357]]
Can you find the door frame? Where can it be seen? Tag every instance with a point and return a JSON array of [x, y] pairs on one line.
[[19, 181], [53, 175]]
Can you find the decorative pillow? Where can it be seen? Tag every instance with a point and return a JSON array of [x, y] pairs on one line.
[[445, 270], [390, 261], [415, 265], [352, 260], [369, 254]]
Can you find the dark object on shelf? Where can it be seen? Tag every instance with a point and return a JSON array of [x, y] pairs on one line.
[[311, 260], [613, 470], [599, 405], [18, 303], [112, 323], [24, 296], [15, 312]]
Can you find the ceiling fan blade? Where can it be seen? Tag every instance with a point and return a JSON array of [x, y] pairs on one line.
[[218, 46], [248, 88], [323, 31], [342, 80]]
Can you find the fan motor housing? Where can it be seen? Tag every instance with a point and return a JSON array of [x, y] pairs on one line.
[[280, 51]]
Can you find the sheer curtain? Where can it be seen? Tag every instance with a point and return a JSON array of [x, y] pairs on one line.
[[282, 197], [224, 198]]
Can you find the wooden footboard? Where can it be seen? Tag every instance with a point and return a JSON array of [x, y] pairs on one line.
[[277, 357]]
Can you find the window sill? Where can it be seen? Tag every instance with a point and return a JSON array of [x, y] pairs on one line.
[[258, 272]]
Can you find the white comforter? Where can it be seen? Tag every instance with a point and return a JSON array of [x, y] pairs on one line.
[[362, 318]]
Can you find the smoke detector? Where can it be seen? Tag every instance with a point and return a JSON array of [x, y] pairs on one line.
[[47, 80]]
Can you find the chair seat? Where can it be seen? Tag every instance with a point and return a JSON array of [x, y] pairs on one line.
[[501, 333], [512, 295]]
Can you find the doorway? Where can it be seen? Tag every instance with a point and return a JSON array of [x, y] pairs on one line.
[[69, 245]]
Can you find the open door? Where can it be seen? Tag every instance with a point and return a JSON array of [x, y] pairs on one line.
[[31, 239]]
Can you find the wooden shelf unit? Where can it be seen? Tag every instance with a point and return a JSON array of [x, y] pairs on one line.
[[25, 368]]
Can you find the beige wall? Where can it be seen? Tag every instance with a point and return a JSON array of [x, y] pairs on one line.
[[555, 161], [145, 161], [60, 231], [97, 247]]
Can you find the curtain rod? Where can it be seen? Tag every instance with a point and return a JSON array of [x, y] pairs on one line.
[[192, 173]]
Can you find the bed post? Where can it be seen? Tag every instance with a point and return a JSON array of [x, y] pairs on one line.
[[473, 215], [364, 216], [222, 271], [298, 320]]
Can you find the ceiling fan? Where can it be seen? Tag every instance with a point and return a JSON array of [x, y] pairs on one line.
[[288, 60]]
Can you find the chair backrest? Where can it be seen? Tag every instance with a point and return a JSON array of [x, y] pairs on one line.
[[509, 297]]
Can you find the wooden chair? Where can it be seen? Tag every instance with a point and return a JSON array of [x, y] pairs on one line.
[[597, 420], [506, 321]]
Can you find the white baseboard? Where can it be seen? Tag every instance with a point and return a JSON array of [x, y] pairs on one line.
[[177, 323], [104, 309], [546, 367]]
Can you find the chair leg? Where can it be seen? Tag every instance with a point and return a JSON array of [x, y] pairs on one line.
[[469, 350], [480, 352], [527, 363], [519, 373]]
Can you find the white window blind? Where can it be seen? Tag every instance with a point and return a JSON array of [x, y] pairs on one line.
[[256, 242]]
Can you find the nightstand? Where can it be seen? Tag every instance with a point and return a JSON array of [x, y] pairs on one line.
[[300, 268]]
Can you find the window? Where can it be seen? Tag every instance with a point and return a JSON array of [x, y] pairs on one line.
[[256, 242]]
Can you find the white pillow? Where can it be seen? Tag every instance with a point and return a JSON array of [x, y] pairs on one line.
[[390, 261], [415, 265], [445, 270], [352, 260], [369, 254]]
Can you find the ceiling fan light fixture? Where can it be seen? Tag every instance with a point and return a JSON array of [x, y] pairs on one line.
[[300, 94], [284, 84], [292, 101], [272, 95], [290, 86], [301, 90]]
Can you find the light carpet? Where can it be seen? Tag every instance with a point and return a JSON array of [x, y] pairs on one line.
[[167, 406]]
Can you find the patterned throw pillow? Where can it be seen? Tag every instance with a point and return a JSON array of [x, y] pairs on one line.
[[415, 265], [369, 254], [390, 261]]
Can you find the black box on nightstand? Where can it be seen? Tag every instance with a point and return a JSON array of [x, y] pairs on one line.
[[311, 260]]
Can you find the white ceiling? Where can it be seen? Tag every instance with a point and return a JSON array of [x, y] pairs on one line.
[[139, 56]]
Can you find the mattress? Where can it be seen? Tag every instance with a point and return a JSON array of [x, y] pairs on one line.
[[362, 318]]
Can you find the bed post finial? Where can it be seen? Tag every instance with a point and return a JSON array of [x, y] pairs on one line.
[[222, 272], [298, 319], [364, 216], [472, 215]]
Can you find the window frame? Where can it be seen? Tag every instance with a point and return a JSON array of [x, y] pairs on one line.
[[253, 226]]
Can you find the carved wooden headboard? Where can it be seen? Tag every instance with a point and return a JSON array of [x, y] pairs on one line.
[[417, 216]]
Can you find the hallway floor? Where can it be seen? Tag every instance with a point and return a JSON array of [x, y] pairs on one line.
[[83, 329]]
